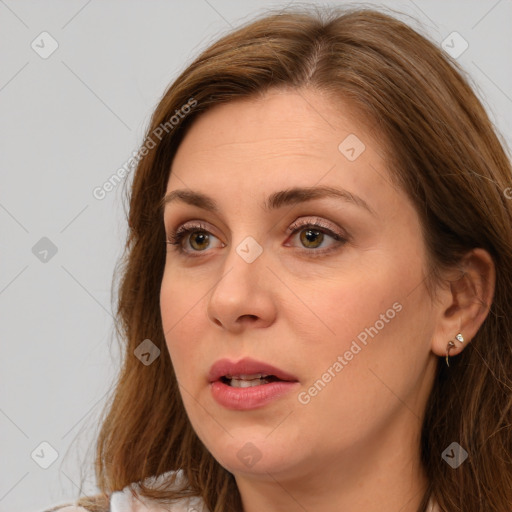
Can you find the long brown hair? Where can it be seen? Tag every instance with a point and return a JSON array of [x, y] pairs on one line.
[[440, 147]]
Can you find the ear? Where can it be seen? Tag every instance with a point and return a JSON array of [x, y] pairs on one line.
[[464, 301]]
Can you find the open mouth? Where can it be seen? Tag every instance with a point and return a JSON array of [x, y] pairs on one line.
[[247, 381], [247, 372], [248, 384]]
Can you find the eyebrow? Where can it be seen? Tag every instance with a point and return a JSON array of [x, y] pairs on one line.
[[275, 201]]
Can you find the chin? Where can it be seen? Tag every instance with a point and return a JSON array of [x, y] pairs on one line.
[[253, 452], [250, 443]]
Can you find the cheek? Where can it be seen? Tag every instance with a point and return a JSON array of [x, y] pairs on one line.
[[379, 347], [182, 311], [339, 307], [367, 315]]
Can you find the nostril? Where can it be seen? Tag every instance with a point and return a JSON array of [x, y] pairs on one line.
[[250, 318]]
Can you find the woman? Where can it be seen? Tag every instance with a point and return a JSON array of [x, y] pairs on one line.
[[319, 264]]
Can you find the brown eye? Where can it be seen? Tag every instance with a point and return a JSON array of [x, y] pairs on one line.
[[192, 240], [199, 240], [311, 238]]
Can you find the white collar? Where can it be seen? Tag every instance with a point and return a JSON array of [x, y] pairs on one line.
[[124, 501]]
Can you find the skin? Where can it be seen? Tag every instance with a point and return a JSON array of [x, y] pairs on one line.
[[355, 445]]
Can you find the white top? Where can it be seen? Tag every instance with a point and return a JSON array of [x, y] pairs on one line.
[[123, 501]]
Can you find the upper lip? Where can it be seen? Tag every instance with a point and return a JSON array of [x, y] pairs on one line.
[[246, 366]]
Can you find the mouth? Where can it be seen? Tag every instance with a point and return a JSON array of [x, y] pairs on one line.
[[248, 381], [248, 384], [247, 373]]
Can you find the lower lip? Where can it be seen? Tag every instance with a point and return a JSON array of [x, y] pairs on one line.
[[242, 399]]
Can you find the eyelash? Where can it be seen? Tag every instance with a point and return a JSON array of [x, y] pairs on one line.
[[175, 238]]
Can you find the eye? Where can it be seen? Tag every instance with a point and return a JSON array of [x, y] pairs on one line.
[[192, 238], [314, 236], [199, 240], [317, 234], [311, 238]]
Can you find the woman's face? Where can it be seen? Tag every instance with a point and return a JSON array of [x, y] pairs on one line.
[[303, 263]]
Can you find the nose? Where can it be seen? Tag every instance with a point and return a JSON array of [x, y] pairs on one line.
[[242, 297]]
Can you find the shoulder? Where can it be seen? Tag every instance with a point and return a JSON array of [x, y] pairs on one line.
[[97, 503], [126, 500], [67, 508]]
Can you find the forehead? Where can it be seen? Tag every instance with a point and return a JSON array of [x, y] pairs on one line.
[[282, 123], [276, 141]]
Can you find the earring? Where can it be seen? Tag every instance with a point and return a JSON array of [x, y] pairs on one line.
[[448, 348], [459, 337]]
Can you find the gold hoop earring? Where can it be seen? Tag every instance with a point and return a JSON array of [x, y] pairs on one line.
[[448, 348]]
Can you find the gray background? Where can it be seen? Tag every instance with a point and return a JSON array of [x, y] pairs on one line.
[[67, 123]]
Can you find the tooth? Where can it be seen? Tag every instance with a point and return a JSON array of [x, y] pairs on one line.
[[248, 377], [244, 383], [241, 383]]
